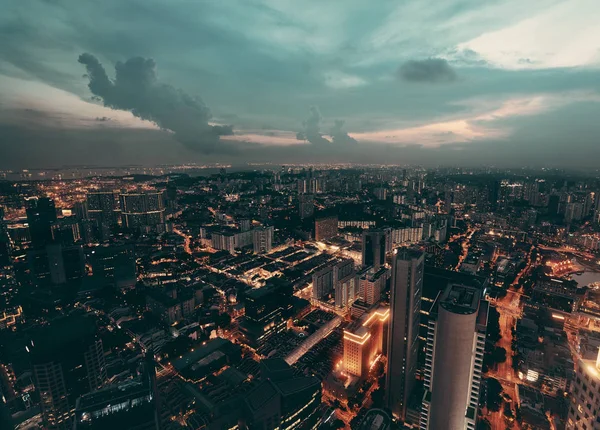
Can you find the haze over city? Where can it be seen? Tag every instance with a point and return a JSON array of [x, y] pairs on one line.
[[507, 83]]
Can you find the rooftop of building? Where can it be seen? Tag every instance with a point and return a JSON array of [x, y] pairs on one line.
[[375, 419], [201, 353], [461, 299]]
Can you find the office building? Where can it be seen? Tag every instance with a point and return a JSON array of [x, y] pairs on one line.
[[372, 283], [128, 405], [326, 227], [282, 400], [263, 239], [375, 245], [363, 342], [41, 215], [454, 358], [322, 283], [345, 283], [584, 408], [403, 340], [68, 361], [100, 208], [144, 211], [306, 205], [267, 310], [55, 264], [114, 265]]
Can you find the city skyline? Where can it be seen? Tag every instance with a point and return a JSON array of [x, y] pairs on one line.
[[269, 81]]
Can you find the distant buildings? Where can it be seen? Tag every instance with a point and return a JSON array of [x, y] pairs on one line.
[[143, 211], [306, 205], [455, 347], [326, 228], [100, 207], [263, 239], [403, 339]]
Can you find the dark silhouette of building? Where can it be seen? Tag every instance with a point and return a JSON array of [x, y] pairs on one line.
[[68, 361], [267, 309], [100, 207], [129, 405], [114, 265], [403, 339], [375, 244], [41, 215], [55, 264]]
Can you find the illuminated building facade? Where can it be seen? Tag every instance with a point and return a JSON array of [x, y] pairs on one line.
[[584, 410], [363, 342], [454, 359]]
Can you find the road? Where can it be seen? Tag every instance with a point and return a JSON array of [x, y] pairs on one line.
[[186, 239]]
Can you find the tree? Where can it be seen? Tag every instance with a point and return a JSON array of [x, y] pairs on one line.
[[494, 391], [338, 424], [493, 326], [499, 355]]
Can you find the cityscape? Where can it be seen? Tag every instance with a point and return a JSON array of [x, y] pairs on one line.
[[299, 215], [301, 297]]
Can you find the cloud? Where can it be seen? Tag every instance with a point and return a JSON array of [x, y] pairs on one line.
[[312, 128], [136, 89], [339, 136], [429, 70]]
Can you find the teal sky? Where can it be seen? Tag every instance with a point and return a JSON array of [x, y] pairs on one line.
[[472, 82]]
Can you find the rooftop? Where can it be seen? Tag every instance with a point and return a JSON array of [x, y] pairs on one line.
[[460, 299]]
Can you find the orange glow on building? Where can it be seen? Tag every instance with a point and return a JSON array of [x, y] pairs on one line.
[[363, 342]]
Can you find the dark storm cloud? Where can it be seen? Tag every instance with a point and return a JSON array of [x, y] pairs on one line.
[[339, 136], [429, 70], [136, 88], [312, 128]]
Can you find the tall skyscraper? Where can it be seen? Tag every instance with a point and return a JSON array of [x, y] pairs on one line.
[[454, 357], [143, 211], [100, 207], [403, 338], [68, 361], [41, 215], [263, 239], [584, 410], [375, 245]]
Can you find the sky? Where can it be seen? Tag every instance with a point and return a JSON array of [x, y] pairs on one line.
[[453, 82]]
